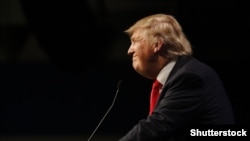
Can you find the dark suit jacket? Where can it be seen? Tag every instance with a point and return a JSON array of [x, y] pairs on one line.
[[192, 97]]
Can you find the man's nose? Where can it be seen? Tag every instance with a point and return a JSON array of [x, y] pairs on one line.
[[130, 50]]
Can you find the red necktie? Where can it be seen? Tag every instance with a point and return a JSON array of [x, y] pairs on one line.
[[155, 92]]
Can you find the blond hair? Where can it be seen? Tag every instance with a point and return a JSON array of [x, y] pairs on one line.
[[167, 28]]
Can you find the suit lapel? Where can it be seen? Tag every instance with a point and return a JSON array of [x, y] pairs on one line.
[[180, 62]]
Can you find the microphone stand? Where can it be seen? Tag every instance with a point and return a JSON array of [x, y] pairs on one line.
[[118, 87]]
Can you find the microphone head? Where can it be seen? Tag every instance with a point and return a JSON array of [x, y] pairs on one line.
[[119, 84]]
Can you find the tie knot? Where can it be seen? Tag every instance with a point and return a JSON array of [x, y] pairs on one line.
[[157, 84]]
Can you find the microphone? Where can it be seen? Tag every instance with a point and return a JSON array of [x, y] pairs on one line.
[[117, 91]]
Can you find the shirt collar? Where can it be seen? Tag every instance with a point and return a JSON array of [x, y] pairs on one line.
[[164, 73]]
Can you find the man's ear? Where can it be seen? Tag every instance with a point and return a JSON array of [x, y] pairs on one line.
[[158, 45]]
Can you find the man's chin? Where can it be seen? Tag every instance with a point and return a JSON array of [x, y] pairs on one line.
[[134, 65]]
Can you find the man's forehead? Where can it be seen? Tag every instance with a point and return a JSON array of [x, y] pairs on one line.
[[136, 34]]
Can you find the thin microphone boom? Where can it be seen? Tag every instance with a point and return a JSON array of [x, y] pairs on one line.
[[117, 90]]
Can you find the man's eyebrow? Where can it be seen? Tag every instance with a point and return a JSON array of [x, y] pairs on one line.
[[136, 38]]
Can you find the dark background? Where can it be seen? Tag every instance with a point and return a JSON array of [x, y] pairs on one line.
[[60, 61]]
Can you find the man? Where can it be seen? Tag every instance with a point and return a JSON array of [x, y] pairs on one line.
[[191, 92]]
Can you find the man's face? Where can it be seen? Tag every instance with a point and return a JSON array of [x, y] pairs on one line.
[[142, 54]]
